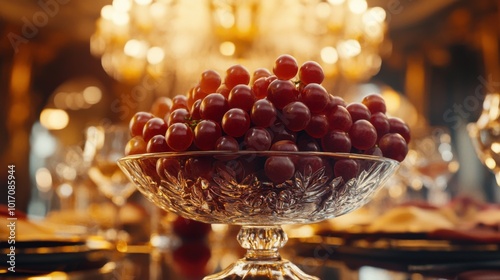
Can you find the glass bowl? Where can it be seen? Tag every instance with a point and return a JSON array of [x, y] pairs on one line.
[[259, 191]]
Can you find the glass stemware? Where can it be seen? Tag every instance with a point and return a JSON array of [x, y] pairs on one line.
[[485, 134], [106, 145], [435, 162], [235, 188]]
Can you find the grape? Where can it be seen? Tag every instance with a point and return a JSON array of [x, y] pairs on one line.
[[309, 164], [286, 146], [198, 94], [179, 101], [259, 73], [285, 67], [136, 145], [315, 97], [226, 143], [235, 122], [161, 106], [210, 81], [260, 86], [235, 75], [213, 107], [281, 93], [263, 113], [195, 110], [241, 96], [199, 167], [296, 116], [155, 126], [157, 144], [311, 72], [336, 141], [257, 139], [206, 134], [397, 125], [358, 111], [306, 142], [318, 126], [363, 135], [279, 169], [170, 166], [346, 168], [375, 103], [278, 132], [339, 118], [179, 137], [224, 90], [334, 101], [180, 115], [393, 146], [381, 123], [137, 122]]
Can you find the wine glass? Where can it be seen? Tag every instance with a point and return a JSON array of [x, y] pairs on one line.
[[106, 145], [250, 189], [485, 134], [435, 162]]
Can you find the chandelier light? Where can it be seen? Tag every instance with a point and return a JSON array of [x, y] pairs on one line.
[[137, 38]]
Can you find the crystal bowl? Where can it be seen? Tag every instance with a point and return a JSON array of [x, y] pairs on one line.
[[259, 191]]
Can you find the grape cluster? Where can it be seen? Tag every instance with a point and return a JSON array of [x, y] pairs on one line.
[[286, 109]]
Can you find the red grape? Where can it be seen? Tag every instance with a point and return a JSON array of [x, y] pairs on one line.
[[285, 67], [260, 86], [155, 126], [236, 75], [195, 110], [339, 118], [346, 168], [206, 134], [263, 113], [375, 103], [334, 101], [161, 106], [180, 115], [137, 122], [157, 144], [284, 145], [296, 116], [260, 73], [281, 93], [180, 101], [393, 146], [363, 135], [318, 126], [241, 96], [224, 90], [306, 142], [179, 137], [213, 107], [136, 145], [210, 81], [315, 97], [311, 72], [199, 167], [336, 141], [381, 123], [358, 111], [235, 122], [226, 143], [279, 169], [257, 139], [397, 125]]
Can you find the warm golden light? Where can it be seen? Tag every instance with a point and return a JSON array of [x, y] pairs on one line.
[[135, 48], [227, 48], [357, 6], [92, 95], [122, 5], [43, 179], [143, 2], [155, 55], [349, 48], [54, 119], [329, 55], [336, 2]]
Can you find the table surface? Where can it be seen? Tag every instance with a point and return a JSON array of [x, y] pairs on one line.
[[193, 259]]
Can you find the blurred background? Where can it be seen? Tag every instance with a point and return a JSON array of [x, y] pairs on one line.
[[66, 65]]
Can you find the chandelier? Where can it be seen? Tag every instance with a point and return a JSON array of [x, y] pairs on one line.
[[138, 38]]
